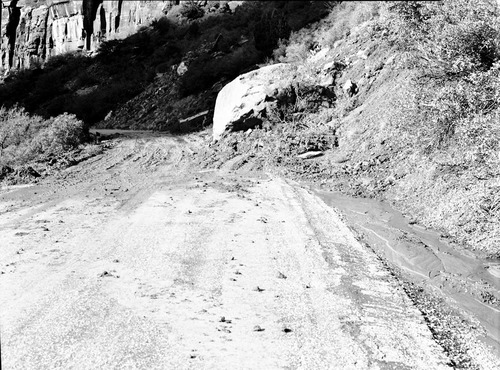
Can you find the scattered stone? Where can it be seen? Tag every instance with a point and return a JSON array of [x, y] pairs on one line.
[[350, 88], [224, 329], [182, 69], [263, 220], [108, 274], [281, 275], [308, 155]]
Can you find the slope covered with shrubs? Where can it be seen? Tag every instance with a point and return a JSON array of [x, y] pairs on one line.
[[213, 46], [421, 129], [167, 71]]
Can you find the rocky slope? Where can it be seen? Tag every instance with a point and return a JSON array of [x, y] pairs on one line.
[[405, 129]]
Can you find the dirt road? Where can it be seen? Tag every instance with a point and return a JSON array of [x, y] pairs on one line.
[[133, 260]]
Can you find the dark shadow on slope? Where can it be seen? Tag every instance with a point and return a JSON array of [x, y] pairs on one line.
[[216, 48]]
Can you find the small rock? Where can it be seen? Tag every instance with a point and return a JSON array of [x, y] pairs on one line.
[[350, 88], [326, 80], [308, 155], [258, 328], [258, 289], [281, 275], [108, 274], [287, 330], [182, 68]]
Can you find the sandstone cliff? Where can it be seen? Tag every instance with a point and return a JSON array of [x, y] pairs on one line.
[[32, 32]]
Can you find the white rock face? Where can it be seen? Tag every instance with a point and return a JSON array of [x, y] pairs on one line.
[[242, 103]]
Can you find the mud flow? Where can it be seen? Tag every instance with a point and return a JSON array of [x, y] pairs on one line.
[[470, 282]]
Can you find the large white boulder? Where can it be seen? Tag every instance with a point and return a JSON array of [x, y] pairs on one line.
[[242, 103]]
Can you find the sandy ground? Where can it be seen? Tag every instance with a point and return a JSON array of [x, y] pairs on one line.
[[133, 260]]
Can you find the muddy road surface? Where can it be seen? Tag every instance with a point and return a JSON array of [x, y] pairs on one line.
[[135, 259]]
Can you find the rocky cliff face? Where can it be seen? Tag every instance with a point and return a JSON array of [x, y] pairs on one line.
[[34, 31]]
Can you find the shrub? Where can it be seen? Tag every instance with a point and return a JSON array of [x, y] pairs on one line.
[[64, 133], [15, 126], [161, 25], [460, 41], [343, 17], [204, 71], [24, 137], [269, 30], [191, 10], [439, 107], [455, 36]]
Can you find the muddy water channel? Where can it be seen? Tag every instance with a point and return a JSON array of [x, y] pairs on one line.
[[470, 283]]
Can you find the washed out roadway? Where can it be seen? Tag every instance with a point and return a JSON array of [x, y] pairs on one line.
[[134, 260]]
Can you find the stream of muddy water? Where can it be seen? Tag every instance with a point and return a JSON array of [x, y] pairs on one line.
[[472, 283]]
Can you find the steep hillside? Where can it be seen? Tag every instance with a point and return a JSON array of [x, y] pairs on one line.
[[414, 119]]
